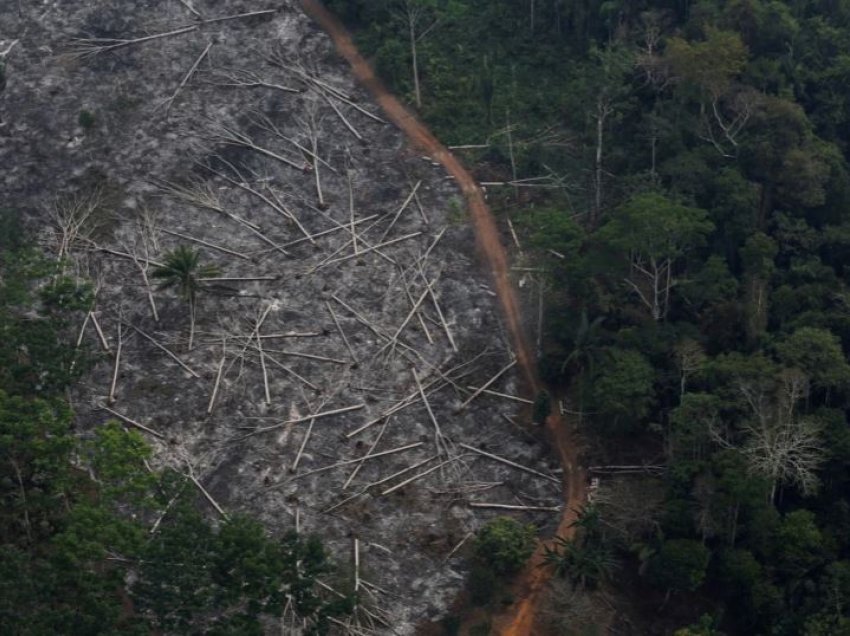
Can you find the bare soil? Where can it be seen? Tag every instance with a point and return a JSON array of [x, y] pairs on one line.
[[194, 139], [519, 619]]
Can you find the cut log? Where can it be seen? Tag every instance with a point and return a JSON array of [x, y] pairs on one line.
[[348, 462], [132, 422], [508, 462], [400, 210], [474, 504], [341, 332], [410, 480], [162, 348], [487, 385], [213, 246], [101, 337], [503, 395], [265, 429], [111, 399], [168, 102], [217, 383], [368, 452]]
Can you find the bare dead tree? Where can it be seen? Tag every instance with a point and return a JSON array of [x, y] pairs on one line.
[[143, 244], [75, 220], [724, 117], [419, 23], [190, 6], [281, 60], [116, 365], [83, 48], [631, 506], [657, 72], [88, 47], [170, 100], [230, 136], [780, 446], [5, 54], [201, 195], [690, 357], [311, 125], [244, 78]]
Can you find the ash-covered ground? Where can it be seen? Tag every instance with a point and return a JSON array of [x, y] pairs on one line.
[[347, 287]]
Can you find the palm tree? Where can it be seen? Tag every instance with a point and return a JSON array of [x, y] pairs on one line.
[[183, 271], [585, 564], [588, 522], [585, 559], [586, 345], [586, 353]]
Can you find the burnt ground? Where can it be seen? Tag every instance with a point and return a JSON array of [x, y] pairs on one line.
[[117, 156]]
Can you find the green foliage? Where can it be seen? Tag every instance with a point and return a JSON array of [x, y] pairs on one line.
[[35, 453], [698, 153], [37, 305], [587, 559], [86, 120], [621, 389], [680, 565], [706, 626], [656, 227], [482, 584], [818, 353], [504, 545], [711, 64], [584, 563], [190, 568], [451, 625], [542, 407], [76, 515], [183, 271]]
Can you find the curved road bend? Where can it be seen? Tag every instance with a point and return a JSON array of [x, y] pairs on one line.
[[518, 619]]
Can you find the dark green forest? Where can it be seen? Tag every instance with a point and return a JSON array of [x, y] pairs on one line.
[[92, 539], [680, 169]]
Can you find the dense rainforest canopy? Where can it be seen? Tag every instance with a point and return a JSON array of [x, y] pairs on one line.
[[680, 168]]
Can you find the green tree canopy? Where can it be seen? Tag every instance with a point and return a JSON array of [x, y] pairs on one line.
[[505, 544], [621, 389], [680, 565], [818, 353]]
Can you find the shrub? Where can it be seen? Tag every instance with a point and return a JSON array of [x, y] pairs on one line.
[[86, 120], [482, 584], [451, 625], [504, 545], [680, 565], [542, 407]]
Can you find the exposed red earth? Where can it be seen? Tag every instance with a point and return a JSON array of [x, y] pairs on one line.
[[519, 618]]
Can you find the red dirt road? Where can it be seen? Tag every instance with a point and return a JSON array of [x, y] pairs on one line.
[[487, 235], [518, 619]]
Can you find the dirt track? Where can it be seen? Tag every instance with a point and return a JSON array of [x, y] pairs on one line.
[[518, 619]]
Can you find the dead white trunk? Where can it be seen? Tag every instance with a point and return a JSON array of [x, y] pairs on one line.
[[411, 23]]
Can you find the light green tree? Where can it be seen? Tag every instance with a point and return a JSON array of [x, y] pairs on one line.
[[505, 544], [621, 391], [653, 233], [680, 565], [818, 353]]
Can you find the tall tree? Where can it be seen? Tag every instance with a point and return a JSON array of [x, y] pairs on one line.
[[710, 67], [780, 446], [653, 233]]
